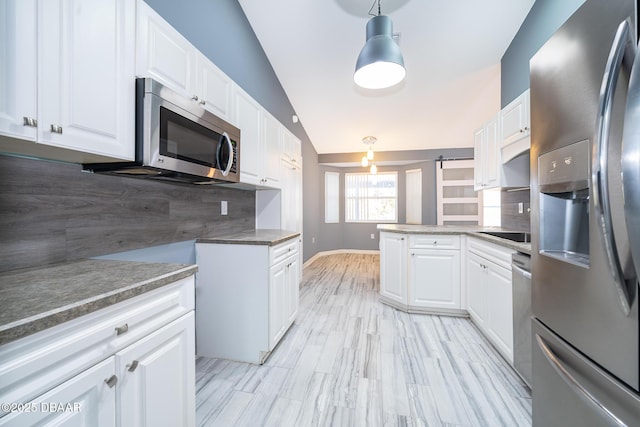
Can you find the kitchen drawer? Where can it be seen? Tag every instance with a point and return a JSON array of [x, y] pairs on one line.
[[499, 255], [283, 251], [434, 241], [32, 365]]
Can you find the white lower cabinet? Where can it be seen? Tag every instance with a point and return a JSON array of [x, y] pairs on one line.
[[434, 278], [130, 364], [421, 273], [84, 400], [157, 377], [283, 298], [393, 268], [476, 284], [489, 293], [247, 298]]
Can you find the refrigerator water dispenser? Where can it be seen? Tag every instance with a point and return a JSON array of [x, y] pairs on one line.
[[563, 180]]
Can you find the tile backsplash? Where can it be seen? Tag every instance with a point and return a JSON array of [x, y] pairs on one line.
[[511, 218]]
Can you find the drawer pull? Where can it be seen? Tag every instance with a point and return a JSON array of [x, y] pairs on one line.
[[122, 329], [56, 129], [435, 242], [30, 121], [111, 381], [132, 366]]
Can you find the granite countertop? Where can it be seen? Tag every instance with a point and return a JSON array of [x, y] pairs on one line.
[[38, 298], [469, 230], [252, 237]]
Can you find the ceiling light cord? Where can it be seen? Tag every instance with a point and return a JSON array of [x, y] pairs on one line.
[[374, 5]]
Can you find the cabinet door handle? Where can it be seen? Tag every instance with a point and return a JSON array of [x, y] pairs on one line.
[[122, 329], [111, 381], [56, 129], [132, 366], [435, 242], [203, 102], [29, 121], [194, 97]]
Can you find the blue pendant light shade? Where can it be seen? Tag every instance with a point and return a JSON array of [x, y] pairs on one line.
[[380, 63]]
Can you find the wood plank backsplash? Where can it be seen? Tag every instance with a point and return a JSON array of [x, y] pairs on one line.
[[52, 212]]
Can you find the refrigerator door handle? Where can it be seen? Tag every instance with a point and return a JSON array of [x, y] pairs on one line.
[[631, 163], [574, 385], [623, 48]]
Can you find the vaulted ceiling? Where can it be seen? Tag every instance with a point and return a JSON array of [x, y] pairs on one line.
[[451, 49]]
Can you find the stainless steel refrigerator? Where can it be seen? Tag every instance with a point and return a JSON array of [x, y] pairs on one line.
[[585, 199]]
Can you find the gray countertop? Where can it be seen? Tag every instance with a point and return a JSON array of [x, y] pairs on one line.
[[38, 298], [469, 230], [252, 237]]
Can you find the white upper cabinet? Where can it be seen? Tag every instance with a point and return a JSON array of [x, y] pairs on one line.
[[163, 53], [83, 57], [515, 127], [271, 149], [291, 147], [260, 141], [248, 117], [492, 169], [487, 156], [214, 88], [166, 56], [18, 103]]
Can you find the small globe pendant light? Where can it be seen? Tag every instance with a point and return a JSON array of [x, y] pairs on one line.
[[380, 63]]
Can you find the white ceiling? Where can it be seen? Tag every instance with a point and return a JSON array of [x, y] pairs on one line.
[[451, 49]]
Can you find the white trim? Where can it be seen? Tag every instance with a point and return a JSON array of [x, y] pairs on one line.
[[340, 251]]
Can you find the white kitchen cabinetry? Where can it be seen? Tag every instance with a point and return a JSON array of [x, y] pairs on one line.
[[156, 377], [259, 141], [247, 298], [476, 285], [18, 104], [78, 57], [291, 147], [489, 293], [421, 272], [92, 360], [86, 399], [487, 155], [515, 127], [489, 168], [283, 297], [434, 272], [166, 56], [393, 269]]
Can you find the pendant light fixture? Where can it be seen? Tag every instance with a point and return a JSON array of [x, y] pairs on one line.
[[369, 140], [380, 63]]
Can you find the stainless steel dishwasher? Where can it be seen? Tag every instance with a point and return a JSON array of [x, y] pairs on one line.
[[521, 279]]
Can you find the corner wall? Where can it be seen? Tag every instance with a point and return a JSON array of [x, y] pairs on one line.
[[544, 18]]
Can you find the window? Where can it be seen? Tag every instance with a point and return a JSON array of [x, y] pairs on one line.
[[414, 196], [491, 207], [331, 197], [371, 198]]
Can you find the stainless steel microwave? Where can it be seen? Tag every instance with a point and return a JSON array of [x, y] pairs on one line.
[[178, 140]]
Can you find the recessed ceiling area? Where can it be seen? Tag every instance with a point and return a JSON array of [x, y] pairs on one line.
[[451, 50]]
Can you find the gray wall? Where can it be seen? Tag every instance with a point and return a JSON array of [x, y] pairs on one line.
[[53, 212], [545, 17], [344, 235]]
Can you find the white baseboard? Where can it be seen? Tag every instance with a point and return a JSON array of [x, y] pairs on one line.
[[340, 251]]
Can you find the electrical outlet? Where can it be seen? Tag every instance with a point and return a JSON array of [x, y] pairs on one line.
[[520, 207], [223, 207], [313, 240], [373, 236]]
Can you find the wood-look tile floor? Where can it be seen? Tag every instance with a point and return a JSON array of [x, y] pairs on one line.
[[349, 360]]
